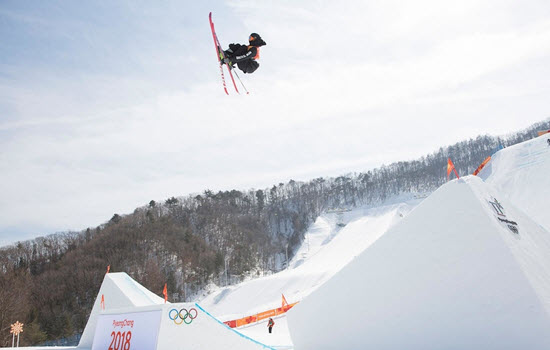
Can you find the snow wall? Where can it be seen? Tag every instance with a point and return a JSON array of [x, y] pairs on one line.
[[464, 270]]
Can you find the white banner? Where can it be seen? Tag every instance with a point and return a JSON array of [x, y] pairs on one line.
[[130, 331]]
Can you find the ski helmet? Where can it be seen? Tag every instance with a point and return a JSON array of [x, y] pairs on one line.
[[256, 40]]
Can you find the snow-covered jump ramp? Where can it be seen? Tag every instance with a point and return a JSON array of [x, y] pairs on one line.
[[464, 270], [126, 316]]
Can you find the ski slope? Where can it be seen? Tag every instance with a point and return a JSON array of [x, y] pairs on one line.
[[449, 276], [327, 248], [469, 268], [466, 268]]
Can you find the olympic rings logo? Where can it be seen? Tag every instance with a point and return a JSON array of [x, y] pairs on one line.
[[183, 316]]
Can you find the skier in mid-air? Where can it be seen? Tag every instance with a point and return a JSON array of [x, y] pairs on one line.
[[245, 56]]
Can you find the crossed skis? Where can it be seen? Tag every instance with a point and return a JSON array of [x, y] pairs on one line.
[[220, 55]]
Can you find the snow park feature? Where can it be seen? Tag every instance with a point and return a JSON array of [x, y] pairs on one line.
[[117, 291], [522, 174], [154, 324], [127, 316], [467, 267], [327, 248]]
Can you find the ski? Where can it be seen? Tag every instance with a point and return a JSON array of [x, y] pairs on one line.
[[220, 55]]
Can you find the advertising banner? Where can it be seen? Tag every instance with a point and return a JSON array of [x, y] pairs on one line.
[[259, 316], [128, 331]]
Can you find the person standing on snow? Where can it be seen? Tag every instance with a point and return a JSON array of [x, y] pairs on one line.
[[245, 56], [270, 324]]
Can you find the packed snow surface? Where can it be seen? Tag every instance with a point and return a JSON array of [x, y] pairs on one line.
[[448, 275], [522, 174], [451, 275], [466, 268], [326, 249]]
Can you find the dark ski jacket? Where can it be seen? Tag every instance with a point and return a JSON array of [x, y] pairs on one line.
[[244, 56]]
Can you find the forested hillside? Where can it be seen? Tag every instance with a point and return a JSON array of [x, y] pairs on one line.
[[189, 242]]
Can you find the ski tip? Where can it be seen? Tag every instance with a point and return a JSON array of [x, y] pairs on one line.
[[210, 15]]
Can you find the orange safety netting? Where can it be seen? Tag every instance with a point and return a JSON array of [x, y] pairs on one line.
[[482, 165], [261, 316]]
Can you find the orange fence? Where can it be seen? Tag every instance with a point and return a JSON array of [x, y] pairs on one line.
[[482, 165], [544, 132], [261, 316]]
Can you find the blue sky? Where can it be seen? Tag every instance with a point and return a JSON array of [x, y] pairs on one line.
[[107, 105]]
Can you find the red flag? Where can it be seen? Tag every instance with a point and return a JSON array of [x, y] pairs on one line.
[[284, 301], [165, 292], [451, 167], [108, 268], [102, 302]]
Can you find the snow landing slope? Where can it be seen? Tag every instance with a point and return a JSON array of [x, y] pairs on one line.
[[326, 249], [450, 275], [516, 173]]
